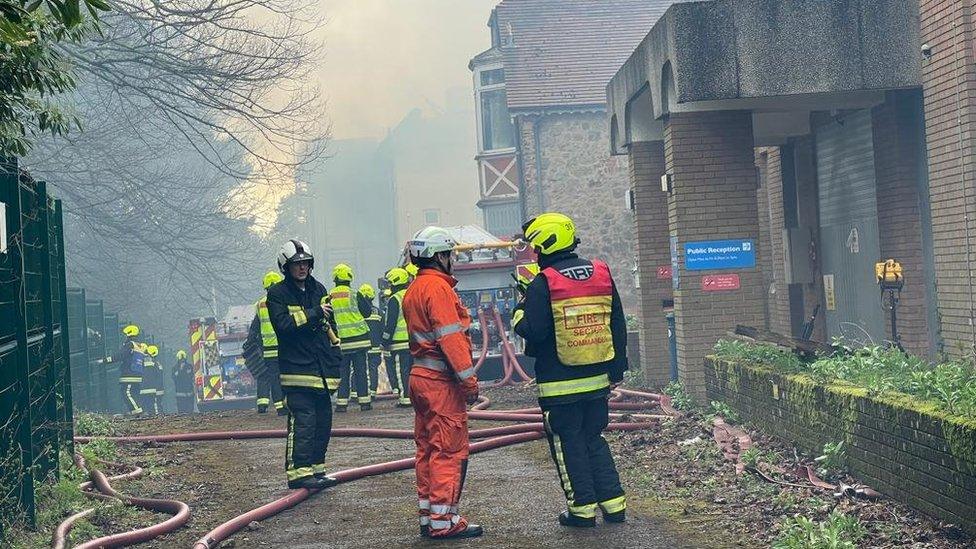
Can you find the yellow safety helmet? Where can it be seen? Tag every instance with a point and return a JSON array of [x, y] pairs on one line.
[[180, 355], [131, 330], [271, 278], [342, 273], [397, 276], [152, 350], [550, 232], [411, 269], [367, 291]]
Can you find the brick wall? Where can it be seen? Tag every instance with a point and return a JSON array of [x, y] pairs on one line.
[[711, 158], [899, 219], [581, 179], [923, 459], [646, 161], [949, 78]]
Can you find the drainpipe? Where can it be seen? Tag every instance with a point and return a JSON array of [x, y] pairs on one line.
[[536, 127], [523, 207]]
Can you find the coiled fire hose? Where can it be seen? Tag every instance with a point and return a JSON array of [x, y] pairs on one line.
[[496, 437]]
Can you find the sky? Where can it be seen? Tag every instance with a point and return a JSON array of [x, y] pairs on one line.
[[385, 57]]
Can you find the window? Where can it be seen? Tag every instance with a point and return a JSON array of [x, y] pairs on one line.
[[503, 220], [492, 76], [432, 217], [495, 129]]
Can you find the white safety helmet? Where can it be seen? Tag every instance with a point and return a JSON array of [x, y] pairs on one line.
[[293, 251], [429, 241]]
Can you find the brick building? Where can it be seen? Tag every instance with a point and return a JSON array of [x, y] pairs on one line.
[[541, 111], [814, 140]]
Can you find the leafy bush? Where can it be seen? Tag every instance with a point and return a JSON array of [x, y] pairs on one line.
[[951, 385], [839, 531], [93, 425], [679, 398], [722, 409], [832, 459]]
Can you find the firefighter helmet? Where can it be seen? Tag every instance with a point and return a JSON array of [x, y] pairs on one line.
[[152, 350], [294, 251], [397, 276], [342, 273], [131, 330], [550, 233], [430, 241], [180, 355], [367, 291], [271, 278]]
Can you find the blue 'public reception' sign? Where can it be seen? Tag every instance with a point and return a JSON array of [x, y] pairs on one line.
[[720, 254]]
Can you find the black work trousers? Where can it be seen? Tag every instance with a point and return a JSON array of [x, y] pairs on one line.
[[131, 398], [401, 362], [269, 385], [391, 373], [586, 470], [353, 371], [184, 403], [374, 358], [309, 430]]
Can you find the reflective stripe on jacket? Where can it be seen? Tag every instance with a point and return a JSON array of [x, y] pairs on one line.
[[269, 341], [400, 339], [437, 324]]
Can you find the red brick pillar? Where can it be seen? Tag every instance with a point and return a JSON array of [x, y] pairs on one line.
[[651, 226], [949, 83], [712, 162]]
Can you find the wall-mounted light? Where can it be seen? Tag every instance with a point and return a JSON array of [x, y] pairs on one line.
[[667, 183]]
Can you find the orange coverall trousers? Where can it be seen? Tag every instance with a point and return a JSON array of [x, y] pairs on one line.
[[441, 434]]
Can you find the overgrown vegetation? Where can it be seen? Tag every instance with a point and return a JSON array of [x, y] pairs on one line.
[[951, 385], [838, 531], [831, 461], [57, 499], [679, 398]]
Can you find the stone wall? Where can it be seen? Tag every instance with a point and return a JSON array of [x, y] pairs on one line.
[[581, 179], [908, 452]]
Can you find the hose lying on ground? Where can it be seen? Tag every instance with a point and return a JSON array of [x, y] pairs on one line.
[[497, 437]]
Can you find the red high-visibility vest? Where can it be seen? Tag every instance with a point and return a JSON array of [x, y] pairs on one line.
[[581, 314]]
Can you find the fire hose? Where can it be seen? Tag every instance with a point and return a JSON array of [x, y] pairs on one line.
[[497, 437]]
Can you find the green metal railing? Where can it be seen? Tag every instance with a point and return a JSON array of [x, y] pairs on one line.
[[35, 385]]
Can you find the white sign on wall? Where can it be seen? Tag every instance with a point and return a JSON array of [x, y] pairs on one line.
[[3, 228]]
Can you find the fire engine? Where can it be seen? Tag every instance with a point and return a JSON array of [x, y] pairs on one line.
[[485, 266], [221, 382]]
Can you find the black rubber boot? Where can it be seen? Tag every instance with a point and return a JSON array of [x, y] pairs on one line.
[[341, 408], [365, 407], [568, 519], [282, 411], [472, 531], [425, 531], [311, 483], [327, 480], [262, 409], [615, 518]]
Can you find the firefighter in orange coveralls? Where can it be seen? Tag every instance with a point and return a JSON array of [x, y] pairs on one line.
[[442, 379], [574, 325]]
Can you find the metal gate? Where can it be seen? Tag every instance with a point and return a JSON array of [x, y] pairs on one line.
[[849, 232]]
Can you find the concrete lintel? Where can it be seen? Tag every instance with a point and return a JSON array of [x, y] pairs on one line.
[[724, 54]]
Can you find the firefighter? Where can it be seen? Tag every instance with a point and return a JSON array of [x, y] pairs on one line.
[[131, 367], [269, 387], [183, 381], [355, 337], [364, 299], [396, 341], [441, 381], [159, 391], [308, 363], [575, 369], [147, 394]]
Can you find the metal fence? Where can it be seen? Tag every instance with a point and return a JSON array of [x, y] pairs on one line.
[[35, 383]]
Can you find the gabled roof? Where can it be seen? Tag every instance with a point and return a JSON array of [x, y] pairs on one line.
[[562, 53]]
